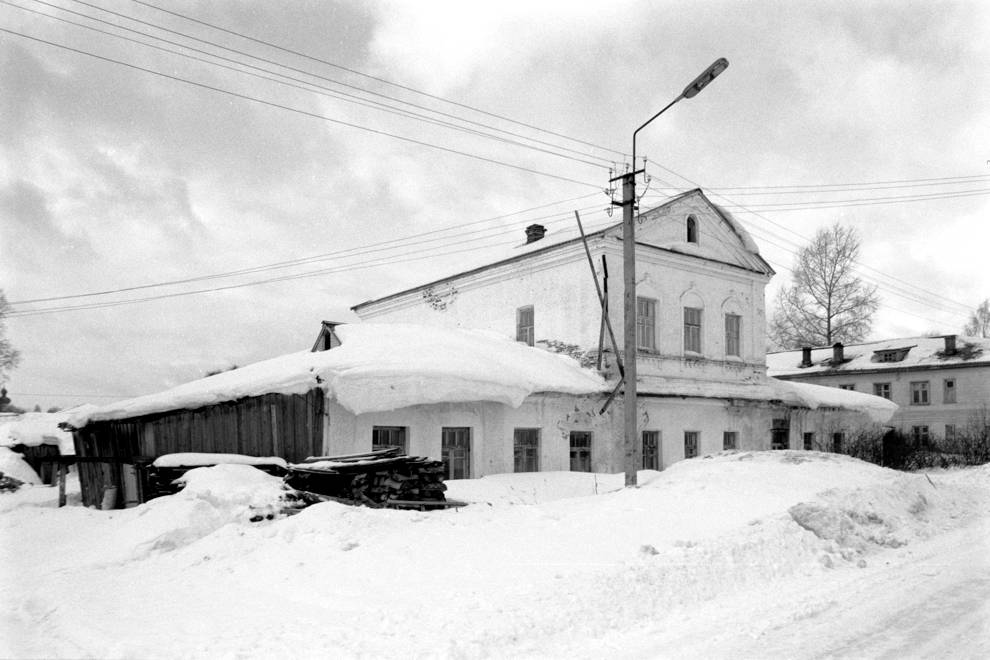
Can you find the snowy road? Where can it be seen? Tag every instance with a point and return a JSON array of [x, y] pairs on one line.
[[928, 600], [749, 555]]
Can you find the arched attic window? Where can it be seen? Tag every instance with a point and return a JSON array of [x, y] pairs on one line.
[[692, 229]]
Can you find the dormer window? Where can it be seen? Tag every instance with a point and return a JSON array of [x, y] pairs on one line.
[[692, 229], [891, 354]]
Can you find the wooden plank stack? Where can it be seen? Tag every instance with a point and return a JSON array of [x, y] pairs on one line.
[[381, 478]]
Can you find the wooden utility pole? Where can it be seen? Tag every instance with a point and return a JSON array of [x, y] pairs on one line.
[[629, 330]]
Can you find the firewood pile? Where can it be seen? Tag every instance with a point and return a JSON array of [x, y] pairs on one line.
[[381, 478]]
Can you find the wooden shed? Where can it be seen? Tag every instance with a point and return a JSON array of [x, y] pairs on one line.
[[289, 426]]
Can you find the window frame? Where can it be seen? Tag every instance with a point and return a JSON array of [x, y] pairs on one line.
[[692, 444], [921, 433], [693, 330], [808, 440], [400, 433], [882, 390], [730, 440], [646, 325], [580, 454], [949, 390], [691, 224], [733, 341], [951, 434], [526, 332], [656, 463], [919, 387], [462, 455], [526, 453], [848, 387]]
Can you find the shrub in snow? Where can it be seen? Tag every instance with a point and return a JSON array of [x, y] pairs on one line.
[[9, 484]]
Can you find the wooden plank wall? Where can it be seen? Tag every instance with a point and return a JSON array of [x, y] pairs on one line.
[[289, 426]]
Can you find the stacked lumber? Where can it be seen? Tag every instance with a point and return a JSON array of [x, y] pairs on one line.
[[381, 478]]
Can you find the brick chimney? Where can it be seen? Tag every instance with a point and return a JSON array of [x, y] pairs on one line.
[[837, 353], [950, 344], [535, 233], [806, 356]]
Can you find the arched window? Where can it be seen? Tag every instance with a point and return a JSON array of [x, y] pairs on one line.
[[692, 229]]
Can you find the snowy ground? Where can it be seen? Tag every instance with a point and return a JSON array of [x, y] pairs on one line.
[[774, 554]]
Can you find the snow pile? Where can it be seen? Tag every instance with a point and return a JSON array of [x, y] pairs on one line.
[[33, 429], [692, 552], [382, 367], [13, 465]]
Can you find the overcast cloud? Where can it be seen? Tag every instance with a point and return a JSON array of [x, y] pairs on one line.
[[113, 178]]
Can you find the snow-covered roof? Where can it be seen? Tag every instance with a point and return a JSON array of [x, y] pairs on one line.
[[33, 429], [800, 395], [382, 367], [918, 353]]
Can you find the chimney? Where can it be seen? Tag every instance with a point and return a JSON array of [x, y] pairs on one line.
[[837, 355], [535, 233], [950, 344], [806, 356]]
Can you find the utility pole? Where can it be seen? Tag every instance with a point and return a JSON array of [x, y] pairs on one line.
[[630, 422], [633, 448]]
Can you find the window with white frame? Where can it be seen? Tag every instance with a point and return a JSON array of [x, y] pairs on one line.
[[733, 326], [525, 326], [919, 393], [692, 329], [881, 389], [690, 444], [646, 323], [920, 433], [949, 390]]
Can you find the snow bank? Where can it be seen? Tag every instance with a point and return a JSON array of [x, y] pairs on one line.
[[382, 367], [564, 574], [13, 465]]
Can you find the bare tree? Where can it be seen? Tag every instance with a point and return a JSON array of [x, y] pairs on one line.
[[826, 302], [9, 358], [979, 321]]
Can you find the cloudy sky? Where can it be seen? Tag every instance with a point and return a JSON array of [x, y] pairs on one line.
[[289, 160]]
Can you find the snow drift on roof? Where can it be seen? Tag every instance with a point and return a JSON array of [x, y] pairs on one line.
[[379, 367], [34, 429]]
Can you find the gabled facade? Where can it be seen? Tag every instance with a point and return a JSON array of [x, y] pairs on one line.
[[700, 330], [941, 384], [700, 289]]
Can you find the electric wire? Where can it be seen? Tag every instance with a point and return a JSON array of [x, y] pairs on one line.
[[302, 71], [303, 84], [307, 113], [376, 78]]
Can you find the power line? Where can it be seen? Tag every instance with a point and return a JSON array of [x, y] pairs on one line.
[[302, 112], [297, 70], [961, 179], [390, 260], [347, 253], [371, 77], [941, 300], [326, 91]]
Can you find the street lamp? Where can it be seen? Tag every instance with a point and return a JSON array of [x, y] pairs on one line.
[[629, 276]]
